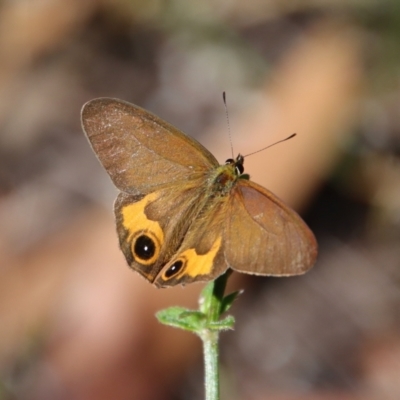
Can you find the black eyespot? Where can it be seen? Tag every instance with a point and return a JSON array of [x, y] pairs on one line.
[[174, 269], [144, 247]]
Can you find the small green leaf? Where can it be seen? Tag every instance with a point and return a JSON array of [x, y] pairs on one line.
[[228, 300], [179, 317]]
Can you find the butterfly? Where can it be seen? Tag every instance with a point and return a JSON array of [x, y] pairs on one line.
[[181, 216]]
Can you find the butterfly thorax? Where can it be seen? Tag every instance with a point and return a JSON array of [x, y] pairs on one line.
[[225, 176]]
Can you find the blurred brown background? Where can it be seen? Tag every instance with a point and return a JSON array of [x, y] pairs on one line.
[[75, 322]]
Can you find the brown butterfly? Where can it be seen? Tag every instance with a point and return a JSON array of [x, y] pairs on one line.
[[181, 217]]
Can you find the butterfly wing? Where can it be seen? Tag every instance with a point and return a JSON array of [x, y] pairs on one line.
[[141, 152], [160, 172], [152, 227], [200, 256], [263, 236]]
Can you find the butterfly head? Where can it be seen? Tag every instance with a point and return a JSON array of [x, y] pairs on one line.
[[237, 164]]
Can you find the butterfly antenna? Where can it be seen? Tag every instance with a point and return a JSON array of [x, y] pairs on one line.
[[273, 144], [227, 121]]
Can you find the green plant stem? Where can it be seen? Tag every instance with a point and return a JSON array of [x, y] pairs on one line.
[[210, 339], [206, 322], [211, 370]]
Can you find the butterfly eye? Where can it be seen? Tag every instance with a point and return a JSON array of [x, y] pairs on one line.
[[239, 169], [174, 269], [145, 248], [238, 164]]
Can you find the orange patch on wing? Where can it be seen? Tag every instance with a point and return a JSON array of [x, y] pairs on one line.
[[135, 220], [199, 264]]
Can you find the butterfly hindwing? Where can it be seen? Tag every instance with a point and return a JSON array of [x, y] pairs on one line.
[[201, 255], [150, 233]]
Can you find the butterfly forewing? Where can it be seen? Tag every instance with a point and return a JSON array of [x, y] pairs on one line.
[[140, 151], [264, 236]]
